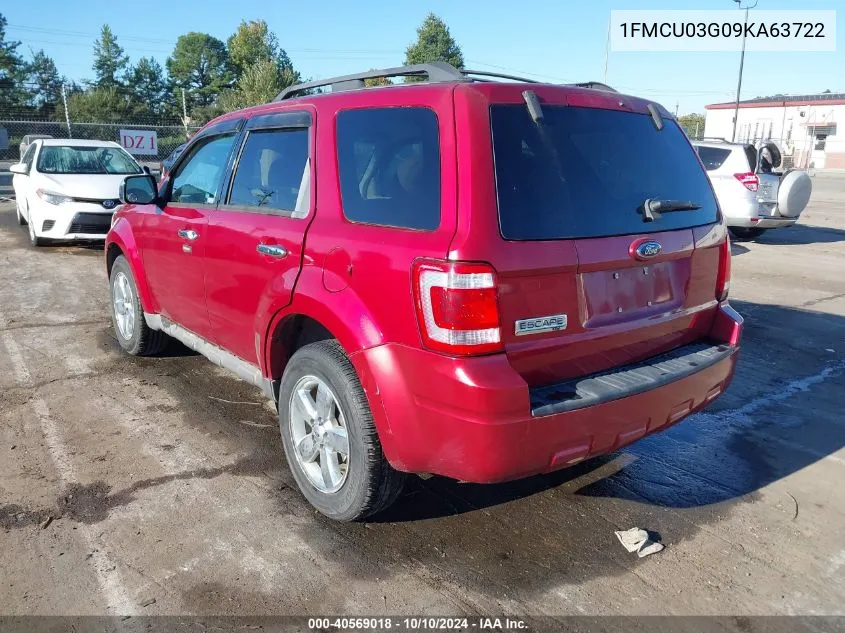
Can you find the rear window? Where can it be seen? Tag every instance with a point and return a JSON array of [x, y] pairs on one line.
[[585, 172], [389, 163], [712, 157]]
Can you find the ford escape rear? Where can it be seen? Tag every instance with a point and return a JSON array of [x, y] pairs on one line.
[[479, 280]]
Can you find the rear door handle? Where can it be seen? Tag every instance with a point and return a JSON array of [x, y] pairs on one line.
[[272, 250], [188, 234]]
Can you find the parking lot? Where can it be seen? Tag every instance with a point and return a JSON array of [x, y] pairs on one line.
[[158, 486]]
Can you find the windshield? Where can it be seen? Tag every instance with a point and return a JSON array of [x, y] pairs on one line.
[[65, 159], [585, 172]]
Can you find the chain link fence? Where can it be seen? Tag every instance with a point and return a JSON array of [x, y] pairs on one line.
[[169, 136]]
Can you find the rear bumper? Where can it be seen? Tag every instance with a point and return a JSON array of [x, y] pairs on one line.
[[470, 418], [763, 223]]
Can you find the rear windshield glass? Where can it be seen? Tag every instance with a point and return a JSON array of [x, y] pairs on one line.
[[585, 172], [712, 157], [60, 159]]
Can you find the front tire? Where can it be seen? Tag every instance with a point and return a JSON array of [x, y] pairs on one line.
[[34, 240], [18, 213], [330, 440], [132, 332], [746, 233]]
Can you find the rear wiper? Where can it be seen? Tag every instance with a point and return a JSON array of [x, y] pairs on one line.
[[652, 208]]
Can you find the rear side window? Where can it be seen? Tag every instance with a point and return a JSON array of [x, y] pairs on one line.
[[271, 169], [751, 155], [585, 172], [712, 157], [389, 164]]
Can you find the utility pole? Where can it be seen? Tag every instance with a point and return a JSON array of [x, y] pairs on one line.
[[741, 64], [184, 114], [67, 114], [677, 107]]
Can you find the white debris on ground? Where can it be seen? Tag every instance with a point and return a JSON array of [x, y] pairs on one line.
[[637, 540]]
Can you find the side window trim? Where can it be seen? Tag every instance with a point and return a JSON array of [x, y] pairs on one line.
[[294, 121], [197, 144]]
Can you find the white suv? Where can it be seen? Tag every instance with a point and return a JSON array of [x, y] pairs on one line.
[[752, 197]]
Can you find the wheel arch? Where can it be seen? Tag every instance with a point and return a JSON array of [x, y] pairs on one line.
[[121, 242]]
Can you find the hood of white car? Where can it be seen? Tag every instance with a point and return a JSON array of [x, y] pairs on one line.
[[94, 186]]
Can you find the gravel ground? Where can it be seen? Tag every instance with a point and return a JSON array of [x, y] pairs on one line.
[[131, 486]]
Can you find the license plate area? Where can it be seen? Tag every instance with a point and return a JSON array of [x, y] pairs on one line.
[[613, 296]]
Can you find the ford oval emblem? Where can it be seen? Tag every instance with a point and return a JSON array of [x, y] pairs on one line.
[[649, 249], [109, 204]]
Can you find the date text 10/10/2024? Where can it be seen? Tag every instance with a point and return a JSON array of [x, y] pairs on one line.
[[422, 623]]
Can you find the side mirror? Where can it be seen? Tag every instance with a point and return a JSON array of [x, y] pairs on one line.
[[147, 169], [139, 190], [18, 168]]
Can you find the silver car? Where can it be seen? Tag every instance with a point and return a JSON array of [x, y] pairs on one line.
[[753, 198], [28, 139]]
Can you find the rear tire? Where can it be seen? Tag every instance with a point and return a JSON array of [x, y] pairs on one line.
[[744, 233], [132, 332], [359, 483]]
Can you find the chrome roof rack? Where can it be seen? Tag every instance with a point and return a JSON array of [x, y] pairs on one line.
[[595, 85], [432, 72]]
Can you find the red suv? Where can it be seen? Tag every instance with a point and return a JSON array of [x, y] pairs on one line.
[[473, 278]]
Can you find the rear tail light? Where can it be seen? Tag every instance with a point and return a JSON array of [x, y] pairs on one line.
[[457, 309], [749, 180], [723, 282]]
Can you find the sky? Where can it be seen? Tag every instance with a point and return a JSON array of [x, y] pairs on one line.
[[552, 40]]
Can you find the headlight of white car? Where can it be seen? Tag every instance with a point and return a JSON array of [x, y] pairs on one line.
[[53, 197]]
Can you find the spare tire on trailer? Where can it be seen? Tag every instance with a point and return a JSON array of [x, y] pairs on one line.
[[794, 193]]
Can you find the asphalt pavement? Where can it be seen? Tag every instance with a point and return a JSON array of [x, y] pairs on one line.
[[158, 486]]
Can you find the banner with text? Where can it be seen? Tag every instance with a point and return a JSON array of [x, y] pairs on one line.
[[722, 30], [139, 142]]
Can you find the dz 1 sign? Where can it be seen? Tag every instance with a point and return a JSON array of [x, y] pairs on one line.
[[139, 142]]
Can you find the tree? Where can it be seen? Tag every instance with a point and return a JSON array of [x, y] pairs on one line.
[[693, 124], [434, 43], [96, 105], [377, 81], [253, 42], [45, 82], [200, 65], [109, 60], [150, 90], [12, 71], [258, 84]]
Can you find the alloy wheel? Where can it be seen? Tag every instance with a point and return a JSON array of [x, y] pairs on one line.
[[319, 434], [124, 305]]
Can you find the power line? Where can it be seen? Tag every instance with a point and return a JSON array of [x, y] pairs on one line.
[[50, 31], [343, 54]]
